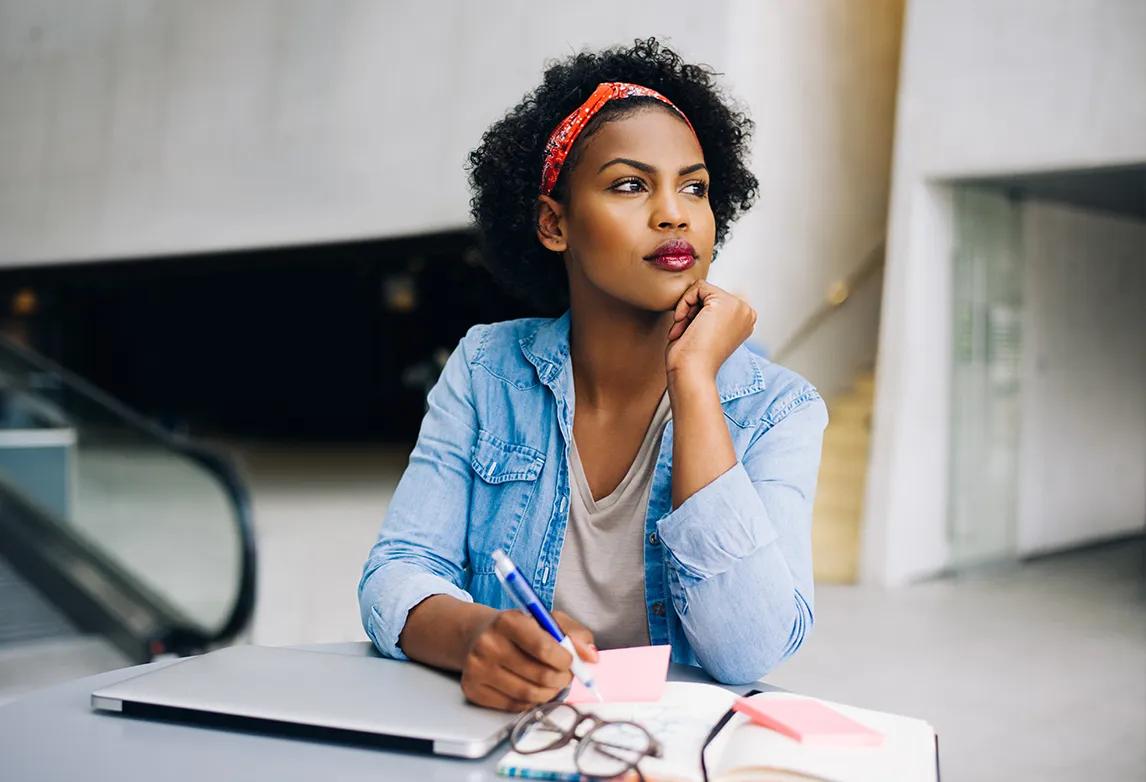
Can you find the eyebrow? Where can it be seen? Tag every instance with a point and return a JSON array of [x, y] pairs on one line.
[[650, 169]]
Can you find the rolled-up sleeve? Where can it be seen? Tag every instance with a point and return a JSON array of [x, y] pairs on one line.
[[421, 548], [738, 551]]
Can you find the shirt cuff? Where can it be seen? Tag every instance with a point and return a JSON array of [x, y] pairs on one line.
[[717, 526], [388, 615]]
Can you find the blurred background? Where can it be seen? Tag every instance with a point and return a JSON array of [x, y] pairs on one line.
[[235, 251]]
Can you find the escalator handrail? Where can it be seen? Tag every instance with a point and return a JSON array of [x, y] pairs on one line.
[[217, 464], [224, 469]]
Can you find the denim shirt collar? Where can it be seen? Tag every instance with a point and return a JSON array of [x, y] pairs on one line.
[[547, 349]]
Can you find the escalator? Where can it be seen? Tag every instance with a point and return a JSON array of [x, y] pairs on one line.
[[119, 540]]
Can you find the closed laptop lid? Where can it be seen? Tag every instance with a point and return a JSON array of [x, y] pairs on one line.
[[315, 694]]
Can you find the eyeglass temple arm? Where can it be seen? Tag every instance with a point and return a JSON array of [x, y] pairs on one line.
[[719, 726]]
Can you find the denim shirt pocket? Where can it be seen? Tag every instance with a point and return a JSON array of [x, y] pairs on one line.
[[508, 475]]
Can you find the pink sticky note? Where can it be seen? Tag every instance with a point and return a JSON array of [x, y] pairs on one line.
[[624, 675], [808, 721]]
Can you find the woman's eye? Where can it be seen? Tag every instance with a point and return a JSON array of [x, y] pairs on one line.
[[620, 187], [636, 186]]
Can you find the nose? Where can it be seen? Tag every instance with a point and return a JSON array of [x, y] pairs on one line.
[[668, 211]]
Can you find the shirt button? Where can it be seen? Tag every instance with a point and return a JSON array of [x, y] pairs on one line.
[[653, 538], [658, 608]]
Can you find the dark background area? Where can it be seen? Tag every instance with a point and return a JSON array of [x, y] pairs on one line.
[[335, 341]]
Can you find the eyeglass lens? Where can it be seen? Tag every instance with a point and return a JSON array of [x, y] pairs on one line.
[[544, 727], [612, 749]]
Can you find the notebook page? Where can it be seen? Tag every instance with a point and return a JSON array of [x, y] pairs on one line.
[[908, 751], [680, 721]]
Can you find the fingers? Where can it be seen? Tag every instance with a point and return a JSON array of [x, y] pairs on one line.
[[534, 672], [513, 663], [701, 294], [490, 697], [679, 326], [528, 636], [517, 689], [499, 673], [581, 636], [689, 304], [689, 299], [585, 647], [685, 310]]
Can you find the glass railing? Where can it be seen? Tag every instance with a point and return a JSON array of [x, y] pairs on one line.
[[132, 512]]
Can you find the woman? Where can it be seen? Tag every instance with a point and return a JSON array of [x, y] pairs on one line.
[[647, 473]]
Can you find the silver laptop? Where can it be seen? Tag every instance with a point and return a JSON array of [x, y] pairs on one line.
[[372, 700]]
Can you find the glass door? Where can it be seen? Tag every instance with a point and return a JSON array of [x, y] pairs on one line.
[[985, 377]]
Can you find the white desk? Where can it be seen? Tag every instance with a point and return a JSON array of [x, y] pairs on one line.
[[54, 735]]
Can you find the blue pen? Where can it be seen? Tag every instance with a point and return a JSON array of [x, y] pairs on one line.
[[523, 594]]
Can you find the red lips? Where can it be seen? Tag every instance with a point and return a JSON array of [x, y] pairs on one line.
[[674, 255], [673, 247]]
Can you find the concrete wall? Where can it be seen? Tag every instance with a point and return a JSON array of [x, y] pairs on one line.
[[1082, 442], [985, 87], [821, 80], [137, 128], [133, 128]]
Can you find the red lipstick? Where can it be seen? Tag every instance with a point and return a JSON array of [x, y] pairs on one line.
[[675, 255]]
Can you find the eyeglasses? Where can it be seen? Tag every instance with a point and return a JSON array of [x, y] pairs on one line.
[[605, 748], [608, 748]]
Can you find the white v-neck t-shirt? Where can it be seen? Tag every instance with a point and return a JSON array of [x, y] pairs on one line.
[[601, 574]]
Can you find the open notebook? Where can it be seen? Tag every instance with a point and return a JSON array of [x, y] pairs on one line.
[[686, 712]]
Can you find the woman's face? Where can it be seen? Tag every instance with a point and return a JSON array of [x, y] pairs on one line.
[[640, 182]]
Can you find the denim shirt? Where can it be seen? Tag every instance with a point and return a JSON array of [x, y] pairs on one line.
[[728, 574]]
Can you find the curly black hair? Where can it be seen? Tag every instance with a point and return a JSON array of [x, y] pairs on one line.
[[505, 169]]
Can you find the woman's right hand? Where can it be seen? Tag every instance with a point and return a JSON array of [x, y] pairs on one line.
[[511, 663]]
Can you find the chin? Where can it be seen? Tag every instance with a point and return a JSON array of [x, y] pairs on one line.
[[652, 291], [664, 297], [675, 286]]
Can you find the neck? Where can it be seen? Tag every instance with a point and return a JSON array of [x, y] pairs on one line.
[[618, 352]]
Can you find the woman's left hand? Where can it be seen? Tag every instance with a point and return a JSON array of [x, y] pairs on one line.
[[709, 324]]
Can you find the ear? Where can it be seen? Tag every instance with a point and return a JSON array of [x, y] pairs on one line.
[[551, 224]]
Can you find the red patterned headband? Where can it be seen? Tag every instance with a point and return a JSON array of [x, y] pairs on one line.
[[562, 138]]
